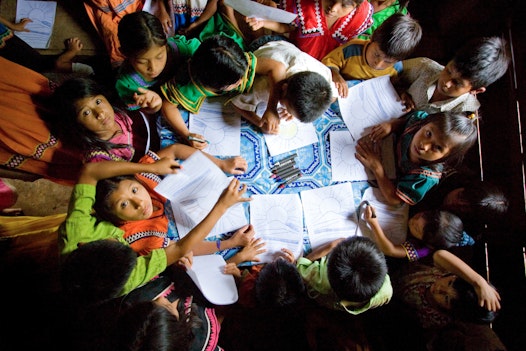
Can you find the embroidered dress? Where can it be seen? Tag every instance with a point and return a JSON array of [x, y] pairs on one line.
[[185, 12], [128, 80], [312, 34], [148, 234], [414, 181], [5, 34], [125, 139]]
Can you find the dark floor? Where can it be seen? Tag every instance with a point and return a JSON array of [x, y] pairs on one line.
[[446, 25]]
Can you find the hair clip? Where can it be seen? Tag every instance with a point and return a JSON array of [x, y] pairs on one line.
[[471, 116]]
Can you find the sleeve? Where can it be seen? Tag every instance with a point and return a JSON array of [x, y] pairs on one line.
[[383, 296], [416, 67], [146, 268], [414, 252], [126, 86], [186, 47], [315, 274], [258, 94], [412, 187], [334, 59], [80, 226]]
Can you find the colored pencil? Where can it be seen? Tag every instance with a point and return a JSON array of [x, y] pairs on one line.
[[280, 162], [284, 175], [290, 180]]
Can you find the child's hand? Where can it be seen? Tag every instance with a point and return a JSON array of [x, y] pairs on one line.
[[188, 30], [232, 269], [254, 23], [166, 21], [21, 26], [243, 236], [380, 131], [370, 214], [250, 252], [270, 122], [408, 102], [288, 255], [285, 114], [165, 165], [368, 154], [341, 84], [234, 165], [233, 194], [199, 144], [186, 261], [488, 296], [148, 99]]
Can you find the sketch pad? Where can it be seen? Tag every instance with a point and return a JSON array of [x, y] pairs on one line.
[[207, 274]]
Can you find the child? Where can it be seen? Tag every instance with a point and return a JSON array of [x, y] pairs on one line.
[[426, 145], [383, 9], [151, 59], [218, 67], [305, 93], [86, 119], [435, 88], [349, 275], [433, 230], [361, 59], [81, 227], [15, 49], [321, 26], [276, 284], [186, 16]]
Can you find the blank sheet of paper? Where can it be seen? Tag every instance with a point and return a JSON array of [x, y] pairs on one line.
[[278, 220], [329, 213]]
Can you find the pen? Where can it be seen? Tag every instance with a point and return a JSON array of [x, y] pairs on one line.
[[289, 180], [198, 139]]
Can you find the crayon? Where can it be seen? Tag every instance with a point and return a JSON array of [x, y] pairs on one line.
[[197, 139], [280, 162], [288, 173], [289, 163], [284, 169], [289, 180]]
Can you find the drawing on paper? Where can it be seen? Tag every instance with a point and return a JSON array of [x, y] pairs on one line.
[[345, 166], [42, 13]]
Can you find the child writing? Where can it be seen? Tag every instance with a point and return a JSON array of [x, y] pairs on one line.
[[383, 9], [432, 87], [81, 227], [217, 68], [347, 274], [321, 25], [305, 93], [86, 119], [426, 145], [132, 204], [151, 59], [438, 231], [361, 59]]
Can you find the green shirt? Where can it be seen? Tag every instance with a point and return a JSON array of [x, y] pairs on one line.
[[379, 18], [81, 227], [316, 277]]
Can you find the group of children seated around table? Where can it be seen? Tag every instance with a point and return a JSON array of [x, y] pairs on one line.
[[123, 250]]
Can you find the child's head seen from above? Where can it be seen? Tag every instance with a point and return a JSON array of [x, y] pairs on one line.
[[306, 95], [83, 112], [356, 269], [121, 199], [143, 41], [219, 64], [442, 137], [437, 229], [475, 66], [394, 40], [477, 198]]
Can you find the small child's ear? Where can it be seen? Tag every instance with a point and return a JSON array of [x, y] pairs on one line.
[[478, 91]]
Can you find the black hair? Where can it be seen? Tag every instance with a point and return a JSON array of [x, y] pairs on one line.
[[218, 62], [442, 229], [138, 32], [356, 269], [482, 61], [96, 271], [451, 125], [106, 187], [148, 326], [279, 284], [398, 36], [309, 94], [484, 199], [63, 121], [466, 306]]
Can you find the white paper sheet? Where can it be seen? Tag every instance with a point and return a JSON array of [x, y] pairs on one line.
[[43, 15], [207, 274], [329, 213], [194, 190], [371, 102], [292, 135], [392, 219], [278, 220], [251, 8], [220, 125], [344, 164]]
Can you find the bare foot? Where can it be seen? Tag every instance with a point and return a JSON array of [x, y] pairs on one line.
[[64, 61]]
